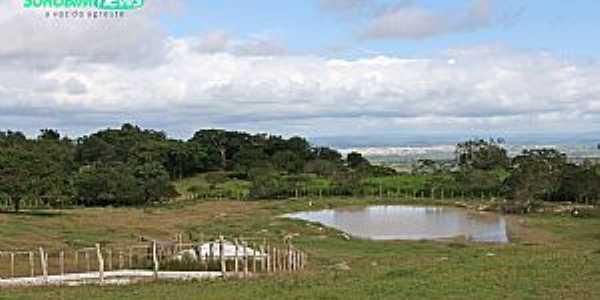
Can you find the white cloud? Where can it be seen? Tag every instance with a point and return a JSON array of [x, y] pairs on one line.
[[482, 87], [29, 37], [87, 78], [220, 41], [409, 21]]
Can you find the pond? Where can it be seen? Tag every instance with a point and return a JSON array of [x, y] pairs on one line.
[[411, 223]]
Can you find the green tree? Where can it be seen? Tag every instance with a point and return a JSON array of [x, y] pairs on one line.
[[225, 143], [578, 184], [324, 153], [356, 160], [536, 174], [94, 149], [55, 167], [322, 167], [40, 168], [107, 184], [249, 157], [17, 170], [482, 154], [288, 161], [153, 181]]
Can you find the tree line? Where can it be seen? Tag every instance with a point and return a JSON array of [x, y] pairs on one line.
[[132, 166], [135, 166], [532, 176]]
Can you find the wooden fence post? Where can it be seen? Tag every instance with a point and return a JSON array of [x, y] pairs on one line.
[[263, 258], [31, 264], [76, 261], [87, 261], [180, 241], [44, 264], [12, 264], [253, 258], [100, 263], [236, 258], [289, 257], [130, 258], [275, 262], [292, 260], [206, 261], [109, 259], [154, 260], [61, 262], [245, 245], [268, 257], [281, 258], [222, 257], [121, 260]]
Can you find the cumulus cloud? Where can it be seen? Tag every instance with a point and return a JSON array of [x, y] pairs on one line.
[[487, 86], [409, 21], [219, 41], [30, 38], [88, 78]]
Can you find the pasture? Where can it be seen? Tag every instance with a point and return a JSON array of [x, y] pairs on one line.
[[552, 257]]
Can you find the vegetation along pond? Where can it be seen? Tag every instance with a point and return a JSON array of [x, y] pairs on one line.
[[411, 223]]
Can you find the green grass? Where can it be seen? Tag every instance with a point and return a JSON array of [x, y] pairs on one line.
[[311, 185], [201, 185], [554, 257], [405, 183]]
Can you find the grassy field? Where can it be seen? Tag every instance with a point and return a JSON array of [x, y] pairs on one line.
[[553, 257], [312, 184]]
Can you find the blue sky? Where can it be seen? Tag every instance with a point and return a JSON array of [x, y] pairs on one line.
[[319, 68], [566, 28]]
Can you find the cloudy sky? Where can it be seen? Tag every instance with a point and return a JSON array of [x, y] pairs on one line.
[[309, 67]]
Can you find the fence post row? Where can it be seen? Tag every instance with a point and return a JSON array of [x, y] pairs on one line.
[[255, 257]]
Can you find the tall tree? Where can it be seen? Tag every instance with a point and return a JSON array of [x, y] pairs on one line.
[[482, 155], [356, 160], [536, 174], [17, 170], [226, 143]]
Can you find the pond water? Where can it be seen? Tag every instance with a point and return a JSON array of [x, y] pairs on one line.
[[411, 223]]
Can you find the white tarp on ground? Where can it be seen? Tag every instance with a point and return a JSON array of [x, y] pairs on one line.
[[229, 250], [113, 277], [212, 251]]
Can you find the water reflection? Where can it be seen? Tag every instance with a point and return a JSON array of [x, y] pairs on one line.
[[411, 223]]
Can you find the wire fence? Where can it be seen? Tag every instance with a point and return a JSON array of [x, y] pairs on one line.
[[220, 257]]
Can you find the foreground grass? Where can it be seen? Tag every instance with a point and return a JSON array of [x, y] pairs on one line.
[[554, 257]]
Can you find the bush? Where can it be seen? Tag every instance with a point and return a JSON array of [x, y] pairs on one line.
[[216, 178], [269, 186], [121, 185]]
